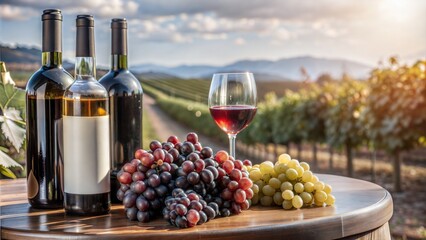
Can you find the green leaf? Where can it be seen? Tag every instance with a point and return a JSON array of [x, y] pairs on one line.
[[10, 96], [7, 161], [6, 172], [13, 132]]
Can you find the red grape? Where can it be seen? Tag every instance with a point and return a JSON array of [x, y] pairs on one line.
[[192, 137], [135, 162], [221, 156], [245, 183], [193, 216], [193, 157], [138, 176], [196, 205], [235, 174], [173, 139], [226, 194], [138, 187], [168, 158], [198, 146], [147, 160], [188, 166], [233, 186], [207, 152], [249, 193], [193, 196], [181, 209], [236, 208], [238, 164], [139, 153], [154, 145], [245, 205], [228, 166], [130, 168], [159, 154], [247, 162], [199, 165], [221, 173], [124, 177]]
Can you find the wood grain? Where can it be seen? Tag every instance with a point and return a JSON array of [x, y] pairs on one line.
[[362, 210]]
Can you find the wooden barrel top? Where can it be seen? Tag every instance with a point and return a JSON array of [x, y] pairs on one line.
[[360, 207]]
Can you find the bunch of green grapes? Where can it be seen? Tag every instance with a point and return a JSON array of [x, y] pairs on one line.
[[288, 183]]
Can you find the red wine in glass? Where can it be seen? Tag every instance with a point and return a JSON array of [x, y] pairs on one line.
[[234, 118]]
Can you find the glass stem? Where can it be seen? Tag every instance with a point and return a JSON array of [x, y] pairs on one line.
[[232, 138]]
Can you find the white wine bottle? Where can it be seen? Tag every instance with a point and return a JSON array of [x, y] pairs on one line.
[[86, 132]]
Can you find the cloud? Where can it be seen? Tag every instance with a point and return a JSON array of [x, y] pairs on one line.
[[98, 8], [239, 41], [8, 12]]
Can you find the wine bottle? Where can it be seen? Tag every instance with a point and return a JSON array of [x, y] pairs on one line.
[[44, 92], [86, 132], [125, 104]]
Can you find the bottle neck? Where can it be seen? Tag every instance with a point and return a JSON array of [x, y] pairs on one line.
[[85, 68], [118, 62], [51, 59]]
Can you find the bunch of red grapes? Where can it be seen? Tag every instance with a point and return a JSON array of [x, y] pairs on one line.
[[184, 182]]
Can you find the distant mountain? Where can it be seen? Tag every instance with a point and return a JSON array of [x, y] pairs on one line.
[[22, 56], [19, 54], [287, 68], [265, 70]]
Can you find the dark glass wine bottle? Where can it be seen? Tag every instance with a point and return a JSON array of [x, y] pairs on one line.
[[125, 104], [44, 91], [86, 132]]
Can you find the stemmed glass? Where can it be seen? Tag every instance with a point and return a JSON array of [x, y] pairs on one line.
[[232, 103]]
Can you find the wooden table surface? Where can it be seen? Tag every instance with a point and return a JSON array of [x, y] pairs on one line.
[[362, 210]]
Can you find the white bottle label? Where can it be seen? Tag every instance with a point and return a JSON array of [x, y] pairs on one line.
[[86, 154]]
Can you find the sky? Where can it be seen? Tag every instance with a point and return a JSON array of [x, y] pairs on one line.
[[219, 32]]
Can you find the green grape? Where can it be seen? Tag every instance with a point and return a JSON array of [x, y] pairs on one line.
[[260, 184], [255, 188], [256, 166], [291, 174], [306, 197], [330, 200], [309, 187], [266, 201], [280, 168], [255, 175], [299, 170], [319, 204], [284, 158], [320, 196], [282, 177], [287, 195], [286, 186], [275, 183], [298, 187], [287, 204], [305, 166], [319, 186], [266, 177], [306, 176], [278, 199], [273, 174], [255, 199], [268, 190], [327, 188], [266, 167], [297, 202], [293, 163], [314, 179]]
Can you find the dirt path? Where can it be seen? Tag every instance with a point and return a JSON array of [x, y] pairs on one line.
[[165, 126]]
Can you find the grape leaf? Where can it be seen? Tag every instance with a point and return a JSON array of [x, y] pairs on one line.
[[6, 161], [10, 96], [11, 130]]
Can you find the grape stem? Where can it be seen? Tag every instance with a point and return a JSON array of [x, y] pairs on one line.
[[232, 138]]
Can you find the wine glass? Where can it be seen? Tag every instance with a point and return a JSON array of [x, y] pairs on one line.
[[232, 103]]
